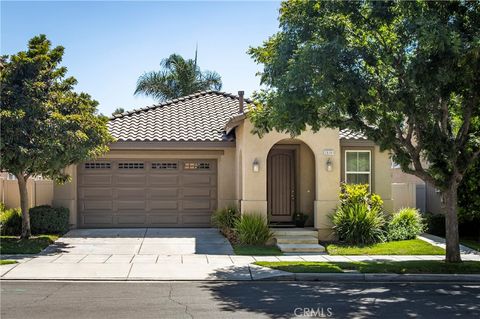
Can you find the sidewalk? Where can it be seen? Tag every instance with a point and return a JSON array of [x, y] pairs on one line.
[[169, 267]]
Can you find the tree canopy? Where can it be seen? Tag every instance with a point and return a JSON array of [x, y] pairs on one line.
[[405, 74], [177, 77], [45, 124]]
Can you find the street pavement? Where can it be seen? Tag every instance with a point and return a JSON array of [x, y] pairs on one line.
[[236, 299]]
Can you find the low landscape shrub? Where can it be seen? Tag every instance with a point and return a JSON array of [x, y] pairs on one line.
[[435, 224], [46, 219], [225, 217], [10, 221], [359, 194], [359, 219], [252, 229], [359, 224], [405, 224]]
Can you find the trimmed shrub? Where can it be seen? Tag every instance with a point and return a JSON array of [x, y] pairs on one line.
[[46, 219], [359, 194], [252, 229], [435, 224], [10, 221], [405, 224], [225, 218], [359, 224]]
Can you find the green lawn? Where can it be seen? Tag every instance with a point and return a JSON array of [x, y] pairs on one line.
[[471, 243], [33, 245], [257, 250], [7, 262], [402, 247], [398, 267]]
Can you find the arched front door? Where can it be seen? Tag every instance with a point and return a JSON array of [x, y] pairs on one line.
[[281, 191]]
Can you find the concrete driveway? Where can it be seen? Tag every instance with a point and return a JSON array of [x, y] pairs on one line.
[[142, 241]]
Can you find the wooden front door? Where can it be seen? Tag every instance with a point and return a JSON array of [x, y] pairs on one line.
[[281, 184]]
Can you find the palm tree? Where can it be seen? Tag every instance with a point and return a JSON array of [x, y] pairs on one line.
[[177, 77], [118, 110]]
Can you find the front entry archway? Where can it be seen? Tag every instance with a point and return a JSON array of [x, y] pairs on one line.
[[290, 181]]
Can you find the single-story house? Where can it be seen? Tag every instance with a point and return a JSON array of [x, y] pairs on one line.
[[175, 162]]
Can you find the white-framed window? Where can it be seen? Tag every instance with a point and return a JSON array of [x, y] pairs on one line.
[[11, 177], [358, 167]]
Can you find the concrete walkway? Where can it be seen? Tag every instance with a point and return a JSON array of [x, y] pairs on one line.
[[158, 254], [167, 267]]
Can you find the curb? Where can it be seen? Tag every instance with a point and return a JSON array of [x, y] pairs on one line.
[[324, 277], [387, 277]]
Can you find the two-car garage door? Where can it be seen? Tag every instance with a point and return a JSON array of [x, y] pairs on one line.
[[147, 193]]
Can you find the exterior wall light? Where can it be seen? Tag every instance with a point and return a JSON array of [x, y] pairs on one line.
[[329, 165], [256, 166]]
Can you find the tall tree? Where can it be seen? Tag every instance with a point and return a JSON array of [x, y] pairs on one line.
[[45, 125], [177, 77], [406, 74]]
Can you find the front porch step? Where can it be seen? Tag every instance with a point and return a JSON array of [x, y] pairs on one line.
[[294, 232], [296, 239], [301, 248]]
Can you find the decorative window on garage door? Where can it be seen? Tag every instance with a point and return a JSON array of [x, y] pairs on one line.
[[130, 165], [165, 165], [196, 165], [97, 165]]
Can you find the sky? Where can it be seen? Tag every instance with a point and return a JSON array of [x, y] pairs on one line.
[[109, 44]]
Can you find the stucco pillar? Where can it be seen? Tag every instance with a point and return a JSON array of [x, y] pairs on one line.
[[327, 182], [65, 195], [254, 192]]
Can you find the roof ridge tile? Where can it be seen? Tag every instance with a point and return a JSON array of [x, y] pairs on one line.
[[176, 100]]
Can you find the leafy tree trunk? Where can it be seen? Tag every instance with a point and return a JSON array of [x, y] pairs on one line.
[[451, 225], [22, 187]]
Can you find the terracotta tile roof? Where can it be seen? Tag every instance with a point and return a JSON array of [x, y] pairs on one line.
[[200, 116], [196, 117], [346, 134]]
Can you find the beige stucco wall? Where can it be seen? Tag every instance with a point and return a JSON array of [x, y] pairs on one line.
[[40, 192], [65, 195], [383, 178], [254, 192]]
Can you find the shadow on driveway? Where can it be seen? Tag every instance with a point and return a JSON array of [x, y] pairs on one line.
[[143, 241]]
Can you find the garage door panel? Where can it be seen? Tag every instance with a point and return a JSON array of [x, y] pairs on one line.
[[95, 192], [163, 219], [166, 179], [196, 219], [131, 204], [96, 180], [198, 192], [132, 219], [131, 193], [156, 205], [97, 205], [163, 192], [129, 179], [97, 219], [198, 180], [198, 204], [147, 193]]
